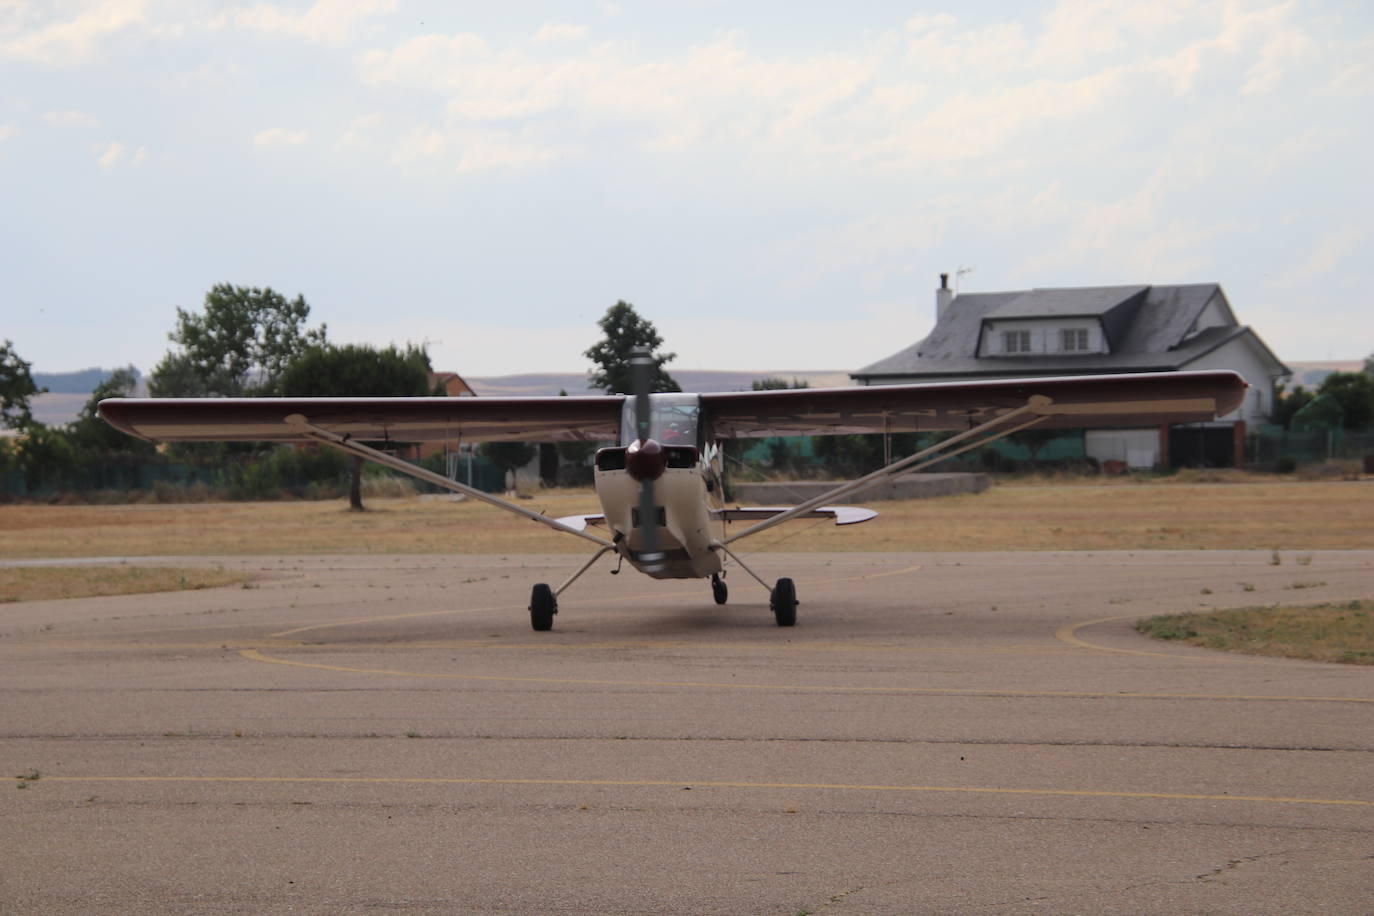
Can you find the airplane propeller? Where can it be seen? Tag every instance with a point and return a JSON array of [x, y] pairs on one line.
[[646, 460]]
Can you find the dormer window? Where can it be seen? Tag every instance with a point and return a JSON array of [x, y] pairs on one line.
[[1073, 339], [1016, 342]]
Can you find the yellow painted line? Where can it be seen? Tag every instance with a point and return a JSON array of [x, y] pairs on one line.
[[1069, 634], [546, 647], [257, 656], [649, 596], [718, 784]]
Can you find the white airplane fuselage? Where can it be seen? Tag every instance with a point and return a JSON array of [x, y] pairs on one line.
[[684, 474], [684, 523]]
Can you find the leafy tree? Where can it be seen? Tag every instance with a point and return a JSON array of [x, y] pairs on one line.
[[1354, 391], [16, 387], [1288, 403], [45, 454], [773, 383], [1369, 365], [508, 455], [624, 332], [353, 370], [90, 434], [239, 345]]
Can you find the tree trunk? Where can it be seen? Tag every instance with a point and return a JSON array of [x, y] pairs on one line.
[[355, 483]]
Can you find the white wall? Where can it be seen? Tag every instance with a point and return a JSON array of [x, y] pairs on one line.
[[1139, 448], [1241, 355]]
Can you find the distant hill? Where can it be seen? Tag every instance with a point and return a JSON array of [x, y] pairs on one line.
[[1311, 374], [68, 391], [82, 381]]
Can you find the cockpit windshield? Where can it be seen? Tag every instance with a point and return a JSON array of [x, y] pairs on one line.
[[674, 419]]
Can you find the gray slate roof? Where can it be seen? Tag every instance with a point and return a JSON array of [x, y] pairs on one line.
[[1145, 326]]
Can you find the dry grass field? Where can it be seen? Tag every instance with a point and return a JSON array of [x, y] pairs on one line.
[[1269, 515], [39, 583], [1325, 632]]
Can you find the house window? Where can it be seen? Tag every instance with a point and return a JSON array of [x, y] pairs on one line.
[[1073, 338], [1016, 341]]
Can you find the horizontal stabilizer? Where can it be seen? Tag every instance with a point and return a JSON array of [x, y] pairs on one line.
[[580, 522], [843, 515]]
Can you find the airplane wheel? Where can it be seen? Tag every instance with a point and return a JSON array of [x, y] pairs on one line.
[[784, 603], [543, 605], [719, 591]]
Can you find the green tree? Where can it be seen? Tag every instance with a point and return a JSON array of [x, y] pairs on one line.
[[1288, 403], [355, 371], [773, 383], [625, 332], [45, 455], [92, 435], [1354, 391], [16, 388], [508, 455], [238, 346]]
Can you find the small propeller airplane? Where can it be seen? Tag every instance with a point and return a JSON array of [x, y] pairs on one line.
[[661, 486]]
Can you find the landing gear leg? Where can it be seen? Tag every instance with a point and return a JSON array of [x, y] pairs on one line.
[[719, 591], [782, 598], [543, 605], [544, 600], [784, 603]]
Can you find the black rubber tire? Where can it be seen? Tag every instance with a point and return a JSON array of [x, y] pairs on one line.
[[719, 590], [543, 605], [784, 603]]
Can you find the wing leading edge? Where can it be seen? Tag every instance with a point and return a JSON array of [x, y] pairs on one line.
[[1074, 401], [557, 419], [1143, 399]]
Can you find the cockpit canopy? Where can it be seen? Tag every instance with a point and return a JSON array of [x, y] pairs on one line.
[[675, 419]]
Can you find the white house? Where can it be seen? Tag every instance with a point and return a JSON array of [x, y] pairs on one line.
[[1099, 330]]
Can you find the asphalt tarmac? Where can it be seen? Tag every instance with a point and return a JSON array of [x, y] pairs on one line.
[[940, 733]]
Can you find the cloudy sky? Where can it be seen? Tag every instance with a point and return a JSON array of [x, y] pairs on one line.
[[774, 185]]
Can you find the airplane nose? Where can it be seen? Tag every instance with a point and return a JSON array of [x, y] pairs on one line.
[[646, 459]]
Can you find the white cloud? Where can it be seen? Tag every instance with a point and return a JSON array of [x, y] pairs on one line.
[[559, 31], [361, 131], [110, 155], [280, 136], [482, 153], [1278, 54], [69, 118], [75, 40], [1326, 254], [423, 142], [7, 131], [711, 92], [325, 21], [930, 22]]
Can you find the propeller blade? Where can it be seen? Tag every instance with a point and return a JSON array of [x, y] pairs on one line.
[[651, 557]]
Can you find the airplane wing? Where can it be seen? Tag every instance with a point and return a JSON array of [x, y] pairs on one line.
[[1075, 401], [546, 419], [1143, 399]]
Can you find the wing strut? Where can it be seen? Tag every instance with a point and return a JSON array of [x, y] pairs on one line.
[[344, 444], [1038, 406]]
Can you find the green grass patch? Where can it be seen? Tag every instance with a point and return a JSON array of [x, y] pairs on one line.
[[1339, 632]]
